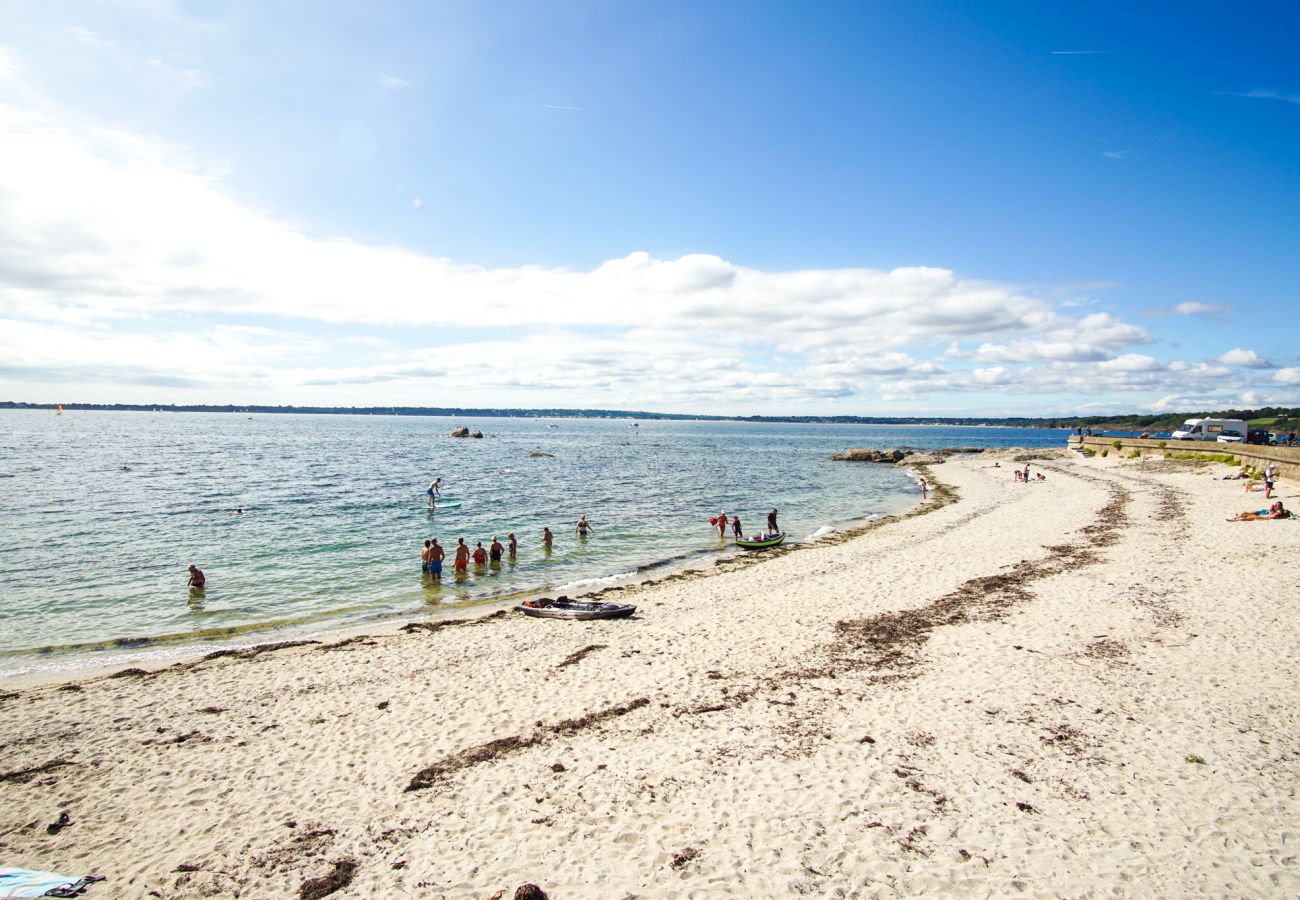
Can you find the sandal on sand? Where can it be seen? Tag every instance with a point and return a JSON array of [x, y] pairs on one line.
[[56, 826]]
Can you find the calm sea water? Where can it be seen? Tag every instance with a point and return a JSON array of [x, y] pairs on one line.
[[101, 513]]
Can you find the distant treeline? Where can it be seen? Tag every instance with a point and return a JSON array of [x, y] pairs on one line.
[[1272, 417]]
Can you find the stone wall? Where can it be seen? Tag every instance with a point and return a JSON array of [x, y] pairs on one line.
[[1287, 459]]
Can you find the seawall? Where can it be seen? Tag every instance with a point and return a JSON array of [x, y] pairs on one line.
[[1287, 459]]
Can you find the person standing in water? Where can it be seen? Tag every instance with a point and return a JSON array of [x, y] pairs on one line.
[[494, 550], [424, 557], [583, 526], [771, 522], [547, 538], [436, 556], [722, 525], [514, 545], [197, 578], [735, 527], [462, 557]]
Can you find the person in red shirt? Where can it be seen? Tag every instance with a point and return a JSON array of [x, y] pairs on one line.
[[480, 555]]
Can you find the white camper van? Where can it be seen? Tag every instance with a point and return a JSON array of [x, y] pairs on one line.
[[1224, 430]]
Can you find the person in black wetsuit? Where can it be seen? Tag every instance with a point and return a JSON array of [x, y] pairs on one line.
[[771, 522]]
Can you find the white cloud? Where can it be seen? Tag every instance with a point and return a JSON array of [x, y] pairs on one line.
[[125, 265], [1029, 351], [1195, 308], [1287, 376], [1263, 94], [393, 83], [1247, 359]]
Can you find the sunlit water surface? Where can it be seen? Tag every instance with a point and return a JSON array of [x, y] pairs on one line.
[[101, 513]]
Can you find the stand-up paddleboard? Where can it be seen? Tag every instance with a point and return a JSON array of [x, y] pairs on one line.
[[446, 504]]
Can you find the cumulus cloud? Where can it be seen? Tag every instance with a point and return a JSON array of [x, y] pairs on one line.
[[1287, 376], [1247, 359]]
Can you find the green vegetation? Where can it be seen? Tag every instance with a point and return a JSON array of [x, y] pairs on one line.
[[1135, 454], [1105, 453], [1198, 760], [1117, 444], [1207, 457]]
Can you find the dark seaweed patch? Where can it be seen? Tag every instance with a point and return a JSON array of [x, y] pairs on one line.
[[337, 879], [22, 776], [500, 747]]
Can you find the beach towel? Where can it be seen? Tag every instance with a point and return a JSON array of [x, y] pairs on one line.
[[27, 883]]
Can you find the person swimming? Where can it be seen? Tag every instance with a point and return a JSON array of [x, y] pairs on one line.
[[197, 578]]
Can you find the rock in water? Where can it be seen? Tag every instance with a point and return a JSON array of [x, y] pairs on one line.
[[868, 455]]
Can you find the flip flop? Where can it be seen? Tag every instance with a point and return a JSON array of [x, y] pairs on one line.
[[56, 826]]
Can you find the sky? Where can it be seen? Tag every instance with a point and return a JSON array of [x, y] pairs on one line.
[[860, 208]]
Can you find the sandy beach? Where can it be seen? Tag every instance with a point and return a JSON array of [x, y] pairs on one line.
[[1084, 686]]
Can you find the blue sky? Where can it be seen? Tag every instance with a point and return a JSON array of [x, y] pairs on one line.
[[858, 208]]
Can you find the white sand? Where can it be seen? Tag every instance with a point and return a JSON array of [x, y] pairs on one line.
[[1014, 713]]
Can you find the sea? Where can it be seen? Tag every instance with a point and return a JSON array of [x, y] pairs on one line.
[[101, 513]]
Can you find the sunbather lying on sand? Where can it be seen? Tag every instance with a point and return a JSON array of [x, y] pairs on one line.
[[1276, 511]]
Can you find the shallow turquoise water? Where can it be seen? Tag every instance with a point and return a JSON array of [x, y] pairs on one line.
[[100, 513]]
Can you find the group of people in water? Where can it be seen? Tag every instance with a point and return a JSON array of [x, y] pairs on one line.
[[433, 555]]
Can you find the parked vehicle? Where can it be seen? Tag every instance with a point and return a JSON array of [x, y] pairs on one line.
[[1234, 430], [1255, 436]]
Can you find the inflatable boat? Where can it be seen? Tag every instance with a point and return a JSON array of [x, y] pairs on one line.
[[564, 608], [773, 541]]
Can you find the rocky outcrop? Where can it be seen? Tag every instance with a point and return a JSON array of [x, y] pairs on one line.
[[866, 455], [460, 431], [922, 459], [477, 434], [539, 455]]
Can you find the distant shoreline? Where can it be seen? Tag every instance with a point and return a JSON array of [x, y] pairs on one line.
[[512, 413], [1276, 418]]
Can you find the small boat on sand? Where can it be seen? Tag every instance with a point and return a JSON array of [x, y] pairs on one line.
[[564, 608], [763, 544]]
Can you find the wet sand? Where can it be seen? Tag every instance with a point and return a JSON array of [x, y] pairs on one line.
[[1082, 686]]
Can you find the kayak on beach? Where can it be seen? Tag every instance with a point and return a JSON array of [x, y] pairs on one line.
[[564, 608], [773, 541]]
